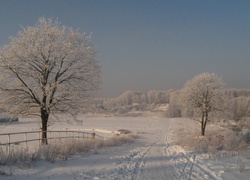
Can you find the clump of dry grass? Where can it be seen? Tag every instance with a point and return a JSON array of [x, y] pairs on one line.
[[58, 149], [17, 155], [63, 149], [215, 140]]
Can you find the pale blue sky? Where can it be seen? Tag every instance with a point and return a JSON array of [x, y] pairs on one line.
[[150, 44]]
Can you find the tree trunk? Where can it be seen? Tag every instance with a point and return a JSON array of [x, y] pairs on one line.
[[203, 126], [204, 123], [44, 117], [203, 130]]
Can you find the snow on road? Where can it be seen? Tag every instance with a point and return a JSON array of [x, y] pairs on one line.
[[157, 158], [154, 155]]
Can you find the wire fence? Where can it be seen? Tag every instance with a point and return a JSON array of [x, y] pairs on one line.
[[17, 138]]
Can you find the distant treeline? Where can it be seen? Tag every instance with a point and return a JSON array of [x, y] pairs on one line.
[[133, 100], [238, 103]]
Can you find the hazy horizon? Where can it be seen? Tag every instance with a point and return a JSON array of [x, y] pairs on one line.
[[145, 45]]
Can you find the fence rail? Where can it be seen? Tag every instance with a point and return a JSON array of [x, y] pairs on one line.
[[28, 136]]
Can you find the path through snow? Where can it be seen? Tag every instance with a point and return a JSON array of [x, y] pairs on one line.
[[154, 155]]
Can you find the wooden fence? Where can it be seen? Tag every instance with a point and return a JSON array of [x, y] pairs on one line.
[[32, 136]]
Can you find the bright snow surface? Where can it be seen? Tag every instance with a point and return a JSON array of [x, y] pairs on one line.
[[154, 155]]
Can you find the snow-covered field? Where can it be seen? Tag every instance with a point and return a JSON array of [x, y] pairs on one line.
[[154, 155]]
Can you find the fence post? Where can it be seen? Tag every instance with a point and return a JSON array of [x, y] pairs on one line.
[[9, 143], [39, 137], [92, 135], [26, 140]]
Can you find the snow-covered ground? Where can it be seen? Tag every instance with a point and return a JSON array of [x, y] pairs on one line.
[[154, 155]]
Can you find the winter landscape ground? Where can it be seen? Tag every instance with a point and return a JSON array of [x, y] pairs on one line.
[[155, 154]]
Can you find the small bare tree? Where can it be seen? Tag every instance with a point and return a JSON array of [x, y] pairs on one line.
[[203, 96], [47, 68]]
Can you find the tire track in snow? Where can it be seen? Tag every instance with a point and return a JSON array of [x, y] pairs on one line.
[[128, 166], [159, 158], [155, 162], [132, 164], [135, 163], [205, 172], [141, 164], [186, 167], [167, 139]]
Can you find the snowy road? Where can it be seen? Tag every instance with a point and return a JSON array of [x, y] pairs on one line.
[[162, 159], [154, 155]]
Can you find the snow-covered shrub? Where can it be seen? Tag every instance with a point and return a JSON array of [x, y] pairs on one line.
[[58, 149], [14, 155], [63, 149], [234, 141], [47, 152], [243, 124], [201, 145], [69, 147]]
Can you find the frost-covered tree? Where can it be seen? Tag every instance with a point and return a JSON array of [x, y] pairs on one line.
[[174, 107], [47, 68], [240, 107], [204, 96], [157, 97]]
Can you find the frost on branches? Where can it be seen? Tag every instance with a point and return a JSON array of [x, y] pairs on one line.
[[47, 68], [203, 97]]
